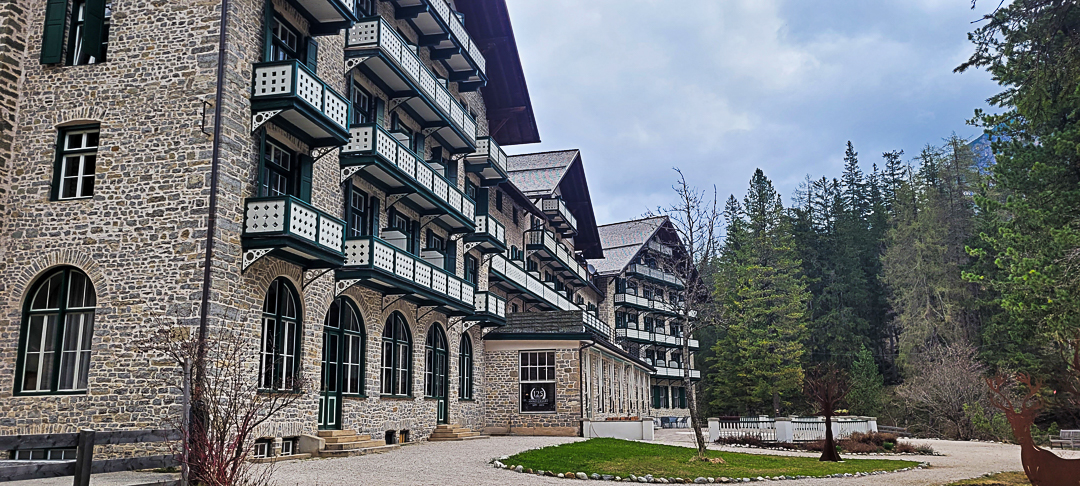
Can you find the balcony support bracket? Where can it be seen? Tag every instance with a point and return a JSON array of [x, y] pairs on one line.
[[396, 102], [392, 302], [320, 152], [347, 172], [431, 308], [342, 285], [470, 246], [394, 198], [305, 281], [352, 62], [251, 256], [258, 119], [428, 131]]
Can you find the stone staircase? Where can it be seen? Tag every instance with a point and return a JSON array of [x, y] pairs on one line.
[[345, 443], [453, 432]]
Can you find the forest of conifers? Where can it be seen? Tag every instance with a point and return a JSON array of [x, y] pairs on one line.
[[920, 274]]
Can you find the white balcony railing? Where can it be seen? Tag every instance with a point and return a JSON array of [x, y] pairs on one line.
[[375, 33], [487, 225], [489, 303], [652, 337], [457, 30], [289, 216], [654, 273], [660, 248], [513, 272], [546, 240], [555, 205], [369, 252], [490, 153], [371, 139]]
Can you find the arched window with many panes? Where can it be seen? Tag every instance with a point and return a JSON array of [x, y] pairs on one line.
[[279, 363], [465, 368], [435, 364], [58, 326], [396, 356]]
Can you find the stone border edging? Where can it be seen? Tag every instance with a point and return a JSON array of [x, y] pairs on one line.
[[648, 478]]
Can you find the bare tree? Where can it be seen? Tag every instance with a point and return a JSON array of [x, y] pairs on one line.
[[218, 440], [827, 387], [946, 378], [696, 218]]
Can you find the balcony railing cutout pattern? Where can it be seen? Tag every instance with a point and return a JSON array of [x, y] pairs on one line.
[[488, 161], [506, 269], [376, 34], [489, 306], [655, 274], [374, 141], [647, 337], [287, 222], [400, 267], [562, 217], [290, 90]]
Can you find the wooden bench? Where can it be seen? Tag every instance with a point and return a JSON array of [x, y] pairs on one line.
[[1068, 438]]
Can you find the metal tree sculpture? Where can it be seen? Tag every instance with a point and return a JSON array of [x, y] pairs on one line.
[[1043, 468], [827, 387]]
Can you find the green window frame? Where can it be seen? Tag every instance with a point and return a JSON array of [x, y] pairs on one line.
[[436, 353], [89, 40], [343, 316], [282, 337], [75, 166], [472, 269], [56, 335], [396, 357], [465, 368]]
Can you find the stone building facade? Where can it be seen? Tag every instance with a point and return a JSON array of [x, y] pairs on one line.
[[327, 185]]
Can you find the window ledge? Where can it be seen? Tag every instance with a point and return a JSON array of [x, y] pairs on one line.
[[398, 398]]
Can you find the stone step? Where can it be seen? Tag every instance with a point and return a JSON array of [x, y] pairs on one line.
[[346, 438], [453, 434], [358, 452], [361, 444], [336, 433]]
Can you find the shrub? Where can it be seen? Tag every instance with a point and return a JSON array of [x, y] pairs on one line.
[[908, 448], [858, 447], [923, 449], [888, 446], [745, 439]]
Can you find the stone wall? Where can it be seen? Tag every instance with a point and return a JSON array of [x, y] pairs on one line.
[[503, 415]]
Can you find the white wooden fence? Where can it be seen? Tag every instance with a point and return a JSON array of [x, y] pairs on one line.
[[789, 429]]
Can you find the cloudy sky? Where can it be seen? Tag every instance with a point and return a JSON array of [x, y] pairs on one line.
[[721, 87]]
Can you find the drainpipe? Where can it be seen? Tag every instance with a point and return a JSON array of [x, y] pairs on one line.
[[211, 222]]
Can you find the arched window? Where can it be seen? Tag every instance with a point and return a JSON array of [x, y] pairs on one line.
[[280, 351], [58, 324], [344, 334], [465, 368], [396, 356], [435, 364]]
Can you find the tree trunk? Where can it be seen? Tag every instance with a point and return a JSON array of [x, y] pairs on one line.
[[692, 399], [829, 452]]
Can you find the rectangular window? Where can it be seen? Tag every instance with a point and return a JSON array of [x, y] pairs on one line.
[[620, 320], [537, 381], [514, 211], [498, 200], [435, 242], [43, 455], [356, 212], [472, 269], [470, 189], [77, 162], [262, 448], [284, 41], [90, 21], [363, 104], [365, 8], [280, 171]]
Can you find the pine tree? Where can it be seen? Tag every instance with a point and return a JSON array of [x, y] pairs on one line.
[[760, 285], [865, 395]]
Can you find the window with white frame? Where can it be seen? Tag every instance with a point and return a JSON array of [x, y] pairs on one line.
[[58, 325], [537, 381], [76, 162], [86, 16]]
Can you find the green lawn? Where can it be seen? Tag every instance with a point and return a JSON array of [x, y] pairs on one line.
[[1016, 478], [622, 458]]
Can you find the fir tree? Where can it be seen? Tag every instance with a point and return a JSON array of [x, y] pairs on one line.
[[865, 395]]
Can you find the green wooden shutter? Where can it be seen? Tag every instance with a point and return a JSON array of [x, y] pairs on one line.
[[373, 216], [268, 29], [307, 165], [312, 57], [380, 111], [94, 28], [52, 39], [450, 264]]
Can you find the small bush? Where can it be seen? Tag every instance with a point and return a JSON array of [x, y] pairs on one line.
[[858, 447], [923, 449], [817, 446], [888, 445], [745, 439]]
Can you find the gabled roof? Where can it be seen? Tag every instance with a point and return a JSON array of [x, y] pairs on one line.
[[623, 241], [509, 109], [562, 173], [540, 173]]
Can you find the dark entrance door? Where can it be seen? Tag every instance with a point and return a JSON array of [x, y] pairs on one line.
[[343, 361], [437, 363]]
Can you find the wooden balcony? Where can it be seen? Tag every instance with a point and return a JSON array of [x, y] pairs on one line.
[[378, 52], [288, 94], [490, 235], [655, 338], [376, 264], [441, 30], [639, 302], [672, 370], [381, 159], [488, 162], [654, 274], [565, 222], [292, 230], [490, 310], [548, 249], [326, 17]]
